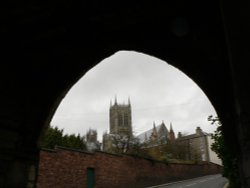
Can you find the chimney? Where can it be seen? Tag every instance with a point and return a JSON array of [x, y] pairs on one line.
[[198, 131]]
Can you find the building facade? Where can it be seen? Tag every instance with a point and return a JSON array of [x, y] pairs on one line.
[[198, 146]]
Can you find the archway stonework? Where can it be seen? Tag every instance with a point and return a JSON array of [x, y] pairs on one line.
[[47, 47]]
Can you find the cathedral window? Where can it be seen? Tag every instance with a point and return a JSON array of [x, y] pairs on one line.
[[116, 122], [126, 119], [120, 120]]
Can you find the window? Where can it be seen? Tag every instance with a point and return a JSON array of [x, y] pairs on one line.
[[120, 120], [126, 119]]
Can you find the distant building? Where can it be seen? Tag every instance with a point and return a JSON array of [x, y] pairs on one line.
[[120, 127], [92, 143], [212, 155], [157, 135], [198, 146]]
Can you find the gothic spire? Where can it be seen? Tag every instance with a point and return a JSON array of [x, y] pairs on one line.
[[171, 134], [115, 100], [129, 101], [171, 128], [154, 132], [154, 127]]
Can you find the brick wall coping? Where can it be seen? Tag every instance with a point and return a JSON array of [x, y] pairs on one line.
[[57, 148]]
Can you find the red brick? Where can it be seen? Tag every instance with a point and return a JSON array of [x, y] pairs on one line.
[[67, 168]]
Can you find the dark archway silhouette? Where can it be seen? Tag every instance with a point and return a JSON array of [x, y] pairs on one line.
[[47, 47]]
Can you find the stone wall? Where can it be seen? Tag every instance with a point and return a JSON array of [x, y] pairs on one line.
[[68, 168]]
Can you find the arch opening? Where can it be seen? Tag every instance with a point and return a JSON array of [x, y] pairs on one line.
[[141, 91], [137, 77]]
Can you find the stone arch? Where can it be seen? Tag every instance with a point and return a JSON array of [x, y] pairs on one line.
[[59, 43]]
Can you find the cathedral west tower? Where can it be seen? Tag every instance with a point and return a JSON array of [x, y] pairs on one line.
[[120, 119], [120, 128]]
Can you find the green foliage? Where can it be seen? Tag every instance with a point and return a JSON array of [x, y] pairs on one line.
[[229, 159], [54, 137], [169, 152], [135, 147]]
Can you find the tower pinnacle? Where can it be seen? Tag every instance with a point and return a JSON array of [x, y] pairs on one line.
[[171, 134], [115, 100], [129, 101], [171, 128]]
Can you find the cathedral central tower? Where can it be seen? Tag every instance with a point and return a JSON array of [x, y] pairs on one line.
[[120, 118]]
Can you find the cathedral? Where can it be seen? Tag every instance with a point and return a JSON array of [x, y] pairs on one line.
[[121, 135], [120, 127], [158, 135]]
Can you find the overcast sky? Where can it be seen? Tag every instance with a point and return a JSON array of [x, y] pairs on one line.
[[158, 92]]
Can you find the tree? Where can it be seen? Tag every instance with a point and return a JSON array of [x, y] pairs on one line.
[[125, 143], [120, 143], [171, 152], [54, 137], [229, 159]]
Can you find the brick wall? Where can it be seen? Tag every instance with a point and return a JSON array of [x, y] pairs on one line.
[[68, 168]]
